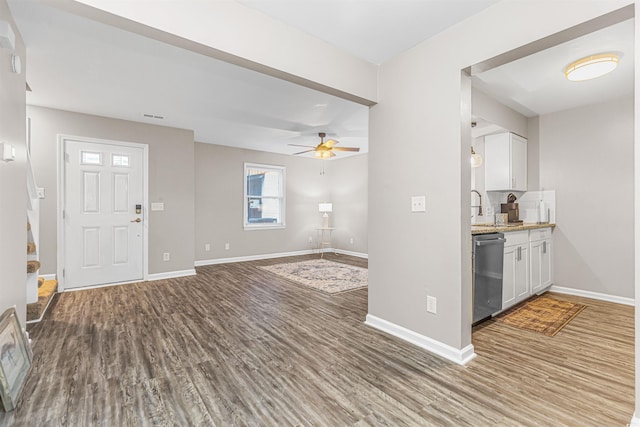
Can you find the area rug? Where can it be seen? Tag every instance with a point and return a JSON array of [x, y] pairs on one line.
[[544, 315], [326, 276]]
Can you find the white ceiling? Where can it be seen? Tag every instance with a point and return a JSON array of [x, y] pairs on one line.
[[81, 65], [375, 30], [536, 85]]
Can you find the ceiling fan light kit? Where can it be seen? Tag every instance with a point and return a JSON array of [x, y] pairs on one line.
[[591, 67], [324, 150]]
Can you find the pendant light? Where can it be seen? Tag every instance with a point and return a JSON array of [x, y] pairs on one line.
[[476, 159], [591, 67]]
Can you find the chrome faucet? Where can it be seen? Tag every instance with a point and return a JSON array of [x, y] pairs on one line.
[[480, 206]]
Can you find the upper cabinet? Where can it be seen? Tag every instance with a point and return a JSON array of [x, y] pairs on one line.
[[505, 159]]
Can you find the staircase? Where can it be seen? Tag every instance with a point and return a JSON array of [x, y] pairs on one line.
[[39, 291]]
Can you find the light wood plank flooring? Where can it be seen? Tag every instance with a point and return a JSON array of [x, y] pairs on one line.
[[238, 346]]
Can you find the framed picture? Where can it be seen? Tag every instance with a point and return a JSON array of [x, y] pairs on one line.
[[15, 359]]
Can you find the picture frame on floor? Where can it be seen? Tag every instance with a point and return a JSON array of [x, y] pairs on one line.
[[15, 359]]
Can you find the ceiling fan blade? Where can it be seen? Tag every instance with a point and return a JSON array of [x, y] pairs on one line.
[[330, 143], [332, 154], [302, 152], [345, 149], [298, 145]]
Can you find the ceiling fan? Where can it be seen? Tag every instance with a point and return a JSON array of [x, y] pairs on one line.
[[324, 150]]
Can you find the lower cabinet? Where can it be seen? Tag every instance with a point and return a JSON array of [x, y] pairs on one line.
[[541, 255], [527, 264], [516, 269]]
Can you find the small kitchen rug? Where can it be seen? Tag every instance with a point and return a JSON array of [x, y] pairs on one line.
[[544, 315], [326, 276]]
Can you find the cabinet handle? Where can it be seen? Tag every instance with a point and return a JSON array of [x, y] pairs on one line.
[[519, 253], [513, 183], [544, 247]]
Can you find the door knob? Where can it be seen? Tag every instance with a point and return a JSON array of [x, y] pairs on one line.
[[137, 220]]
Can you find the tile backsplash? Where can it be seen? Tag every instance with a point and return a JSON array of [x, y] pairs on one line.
[[529, 203]]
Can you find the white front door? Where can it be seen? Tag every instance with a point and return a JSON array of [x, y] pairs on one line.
[[102, 213]]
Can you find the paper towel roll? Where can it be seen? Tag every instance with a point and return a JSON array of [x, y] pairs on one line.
[[542, 213]]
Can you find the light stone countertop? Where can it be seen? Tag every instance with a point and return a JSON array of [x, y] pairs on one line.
[[485, 228]]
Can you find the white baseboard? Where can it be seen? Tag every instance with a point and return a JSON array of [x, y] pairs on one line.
[[171, 274], [461, 357], [48, 276], [204, 262], [350, 253], [255, 257], [592, 295], [635, 421], [149, 278]]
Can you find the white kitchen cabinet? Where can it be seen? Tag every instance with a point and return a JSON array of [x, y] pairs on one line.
[[541, 256], [516, 268], [505, 159]]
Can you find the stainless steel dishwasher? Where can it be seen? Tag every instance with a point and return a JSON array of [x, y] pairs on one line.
[[488, 253]]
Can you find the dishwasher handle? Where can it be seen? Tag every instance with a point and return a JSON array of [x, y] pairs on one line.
[[490, 242]]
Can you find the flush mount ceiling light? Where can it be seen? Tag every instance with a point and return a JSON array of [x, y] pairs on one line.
[[591, 67]]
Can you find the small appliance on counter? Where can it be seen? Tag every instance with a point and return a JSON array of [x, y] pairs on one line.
[[511, 209]]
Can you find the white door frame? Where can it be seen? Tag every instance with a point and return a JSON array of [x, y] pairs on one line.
[[61, 197]]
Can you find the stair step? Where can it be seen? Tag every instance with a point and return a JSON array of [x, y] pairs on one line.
[[40, 281], [45, 293], [33, 266], [31, 247]]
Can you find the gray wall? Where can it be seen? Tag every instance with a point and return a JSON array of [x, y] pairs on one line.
[[219, 203], [349, 193], [417, 147], [586, 155], [13, 192], [171, 180]]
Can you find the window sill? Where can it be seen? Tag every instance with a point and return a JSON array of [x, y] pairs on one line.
[[264, 227]]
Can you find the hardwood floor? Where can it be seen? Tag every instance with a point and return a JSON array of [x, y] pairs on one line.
[[235, 345]]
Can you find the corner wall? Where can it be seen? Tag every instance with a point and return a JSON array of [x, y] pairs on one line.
[[349, 194], [13, 176], [171, 180]]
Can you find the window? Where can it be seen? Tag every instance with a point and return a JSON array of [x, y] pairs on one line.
[[120, 160], [263, 196], [90, 158]]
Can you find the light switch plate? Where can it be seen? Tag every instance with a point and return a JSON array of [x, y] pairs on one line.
[[157, 206], [40, 191], [418, 204], [432, 304]]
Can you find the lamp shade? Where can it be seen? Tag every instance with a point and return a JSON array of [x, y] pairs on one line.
[[325, 207]]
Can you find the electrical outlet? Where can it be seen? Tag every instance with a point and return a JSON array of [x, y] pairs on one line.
[[418, 204], [310, 239], [166, 256], [40, 193], [431, 304], [351, 240], [207, 247], [226, 246]]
